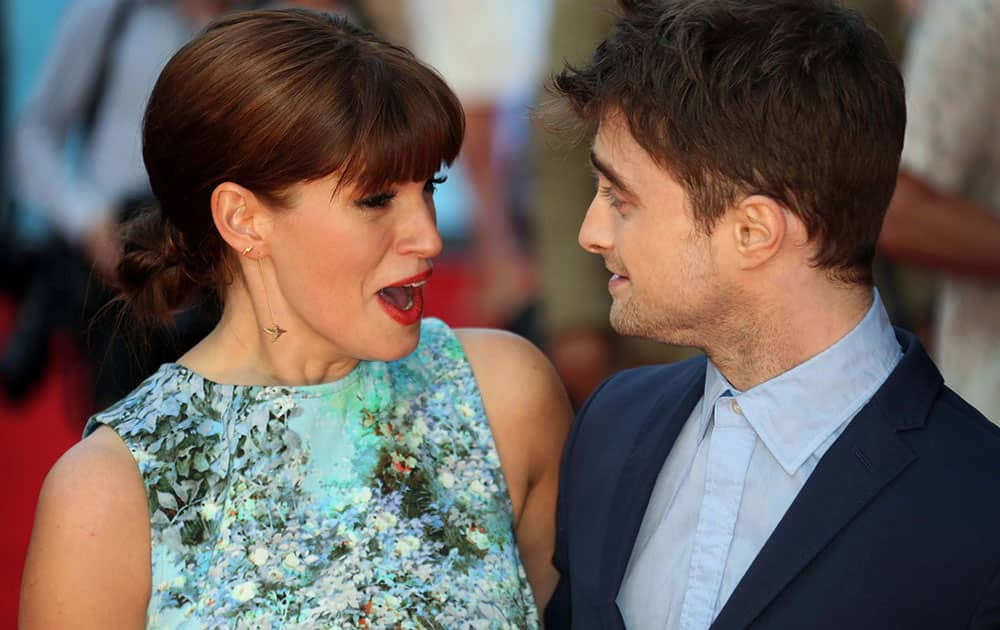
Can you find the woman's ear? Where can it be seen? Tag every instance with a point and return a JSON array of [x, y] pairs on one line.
[[241, 219]]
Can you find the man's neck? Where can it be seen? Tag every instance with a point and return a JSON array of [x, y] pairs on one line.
[[777, 335]]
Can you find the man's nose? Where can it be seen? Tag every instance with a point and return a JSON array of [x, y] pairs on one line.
[[596, 233]]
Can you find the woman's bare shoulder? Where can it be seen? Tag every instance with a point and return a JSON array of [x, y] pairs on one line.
[[524, 399], [99, 462], [89, 558], [511, 367], [530, 416]]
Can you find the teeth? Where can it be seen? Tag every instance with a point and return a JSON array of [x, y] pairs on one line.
[[391, 295], [415, 285]]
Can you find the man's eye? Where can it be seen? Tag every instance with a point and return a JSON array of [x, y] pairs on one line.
[[613, 199]]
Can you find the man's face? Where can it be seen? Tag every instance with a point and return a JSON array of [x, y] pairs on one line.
[[665, 284]]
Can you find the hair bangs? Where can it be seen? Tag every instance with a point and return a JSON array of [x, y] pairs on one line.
[[414, 127]]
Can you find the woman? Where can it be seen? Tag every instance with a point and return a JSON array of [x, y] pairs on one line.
[[323, 458]]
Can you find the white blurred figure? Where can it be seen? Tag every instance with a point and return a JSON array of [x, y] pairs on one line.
[[492, 55], [76, 159], [125, 42], [945, 214]]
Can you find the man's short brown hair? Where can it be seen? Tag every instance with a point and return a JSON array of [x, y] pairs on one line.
[[799, 100]]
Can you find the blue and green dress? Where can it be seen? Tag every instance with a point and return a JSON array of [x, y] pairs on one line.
[[374, 501]]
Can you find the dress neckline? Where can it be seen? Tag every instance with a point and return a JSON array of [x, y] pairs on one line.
[[333, 386]]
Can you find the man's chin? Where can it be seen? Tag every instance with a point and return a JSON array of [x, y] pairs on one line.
[[627, 324], [624, 324]]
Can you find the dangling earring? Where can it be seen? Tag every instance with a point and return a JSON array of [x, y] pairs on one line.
[[274, 329]]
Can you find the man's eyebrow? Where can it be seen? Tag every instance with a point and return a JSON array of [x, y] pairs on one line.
[[609, 174]]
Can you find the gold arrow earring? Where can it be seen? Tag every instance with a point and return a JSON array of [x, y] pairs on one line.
[[274, 329]]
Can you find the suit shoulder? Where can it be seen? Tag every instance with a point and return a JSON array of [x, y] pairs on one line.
[[627, 398], [972, 417], [952, 417], [962, 447], [650, 380]]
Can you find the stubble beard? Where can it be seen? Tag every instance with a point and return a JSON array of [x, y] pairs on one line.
[[660, 324], [685, 317]]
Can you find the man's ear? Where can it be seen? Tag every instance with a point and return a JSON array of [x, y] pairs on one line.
[[241, 219], [758, 226]]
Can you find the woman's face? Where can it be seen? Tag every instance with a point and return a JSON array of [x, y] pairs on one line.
[[350, 267]]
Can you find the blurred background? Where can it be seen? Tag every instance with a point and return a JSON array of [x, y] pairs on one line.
[[74, 76]]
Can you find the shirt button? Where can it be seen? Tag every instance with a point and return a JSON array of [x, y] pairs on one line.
[[736, 408]]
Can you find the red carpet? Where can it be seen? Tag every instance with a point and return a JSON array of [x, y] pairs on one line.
[[35, 433]]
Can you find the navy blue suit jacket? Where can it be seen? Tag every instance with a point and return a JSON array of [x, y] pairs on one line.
[[898, 526]]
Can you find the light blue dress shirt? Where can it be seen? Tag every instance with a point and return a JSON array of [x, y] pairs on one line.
[[737, 465]]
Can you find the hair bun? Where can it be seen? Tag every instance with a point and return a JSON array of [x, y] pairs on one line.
[[154, 275]]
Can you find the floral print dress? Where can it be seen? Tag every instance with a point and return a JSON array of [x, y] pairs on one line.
[[375, 501]]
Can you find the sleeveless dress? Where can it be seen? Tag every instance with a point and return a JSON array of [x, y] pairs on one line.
[[374, 501]]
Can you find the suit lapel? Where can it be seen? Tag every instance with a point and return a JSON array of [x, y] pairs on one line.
[[852, 473], [652, 443], [866, 457]]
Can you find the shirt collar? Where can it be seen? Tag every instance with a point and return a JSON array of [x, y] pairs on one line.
[[797, 412]]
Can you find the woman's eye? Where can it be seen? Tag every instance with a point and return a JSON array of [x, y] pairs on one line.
[[381, 200], [434, 182]]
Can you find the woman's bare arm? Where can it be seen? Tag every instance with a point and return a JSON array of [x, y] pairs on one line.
[[530, 417], [88, 562]]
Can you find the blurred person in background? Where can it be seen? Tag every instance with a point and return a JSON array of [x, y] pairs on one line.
[[388, 18], [908, 290], [324, 458], [491, 54], [343, 8], [946, 210], [4, 78], [89, 101]]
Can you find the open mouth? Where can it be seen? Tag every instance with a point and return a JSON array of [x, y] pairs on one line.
[[402, 297], [404, 301]]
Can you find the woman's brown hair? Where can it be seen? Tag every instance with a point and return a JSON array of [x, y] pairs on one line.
[[269, 99]]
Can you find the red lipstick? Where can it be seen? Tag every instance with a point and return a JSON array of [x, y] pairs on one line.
[[403, 301]]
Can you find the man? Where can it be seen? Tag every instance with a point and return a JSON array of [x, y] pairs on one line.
[[946, 211], [812, 471]]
